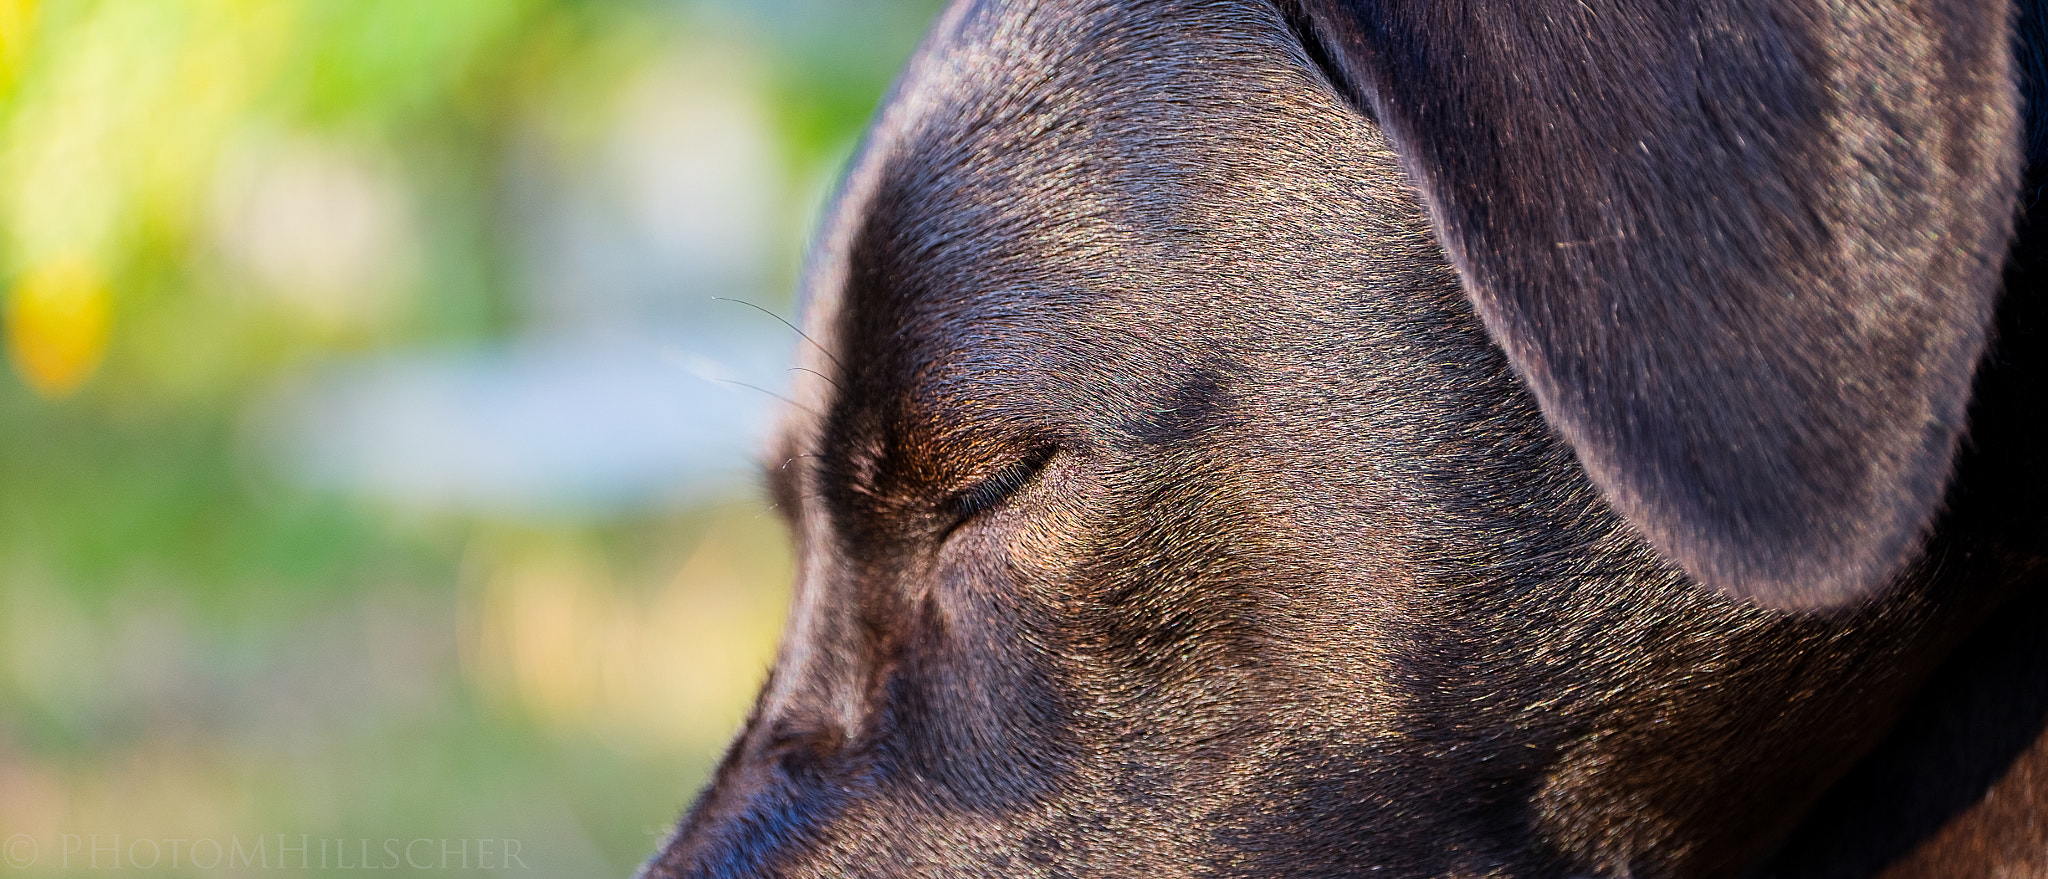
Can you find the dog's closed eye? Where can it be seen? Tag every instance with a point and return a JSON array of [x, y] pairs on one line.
[[991, 491]]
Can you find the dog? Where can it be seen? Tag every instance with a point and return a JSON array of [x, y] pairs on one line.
[[1507, 438]]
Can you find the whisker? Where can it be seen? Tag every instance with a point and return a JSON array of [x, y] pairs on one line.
[[770, 393], [793, 459], [827, 378], [793, 327]]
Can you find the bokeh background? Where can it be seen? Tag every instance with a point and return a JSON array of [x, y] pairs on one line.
[[376, 434]]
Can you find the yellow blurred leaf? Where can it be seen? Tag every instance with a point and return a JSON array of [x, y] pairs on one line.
[[57, 322], [17, 17]]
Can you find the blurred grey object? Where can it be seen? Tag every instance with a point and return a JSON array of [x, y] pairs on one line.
[[631, 382]]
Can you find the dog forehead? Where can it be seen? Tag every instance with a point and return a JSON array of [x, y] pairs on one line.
[[1128, 187]]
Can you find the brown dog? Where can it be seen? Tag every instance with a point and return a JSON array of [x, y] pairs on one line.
[[1528, 438]]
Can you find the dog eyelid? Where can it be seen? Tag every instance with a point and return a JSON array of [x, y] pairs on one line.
[[990, 493]]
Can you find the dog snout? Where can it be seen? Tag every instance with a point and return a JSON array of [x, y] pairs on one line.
[[778, 785]]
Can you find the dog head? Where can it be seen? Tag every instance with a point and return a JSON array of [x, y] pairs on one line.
[[1316, 438]]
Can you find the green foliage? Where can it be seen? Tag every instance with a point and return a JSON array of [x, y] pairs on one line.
[[194, 646]]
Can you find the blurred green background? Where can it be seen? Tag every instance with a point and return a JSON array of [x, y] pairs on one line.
[[374, 434]]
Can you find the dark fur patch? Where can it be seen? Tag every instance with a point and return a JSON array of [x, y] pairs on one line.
[[1195, 405]]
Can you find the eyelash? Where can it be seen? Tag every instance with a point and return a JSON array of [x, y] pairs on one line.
[[990, 493]]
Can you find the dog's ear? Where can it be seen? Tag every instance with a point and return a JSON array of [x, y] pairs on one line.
[[1744, 252]]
